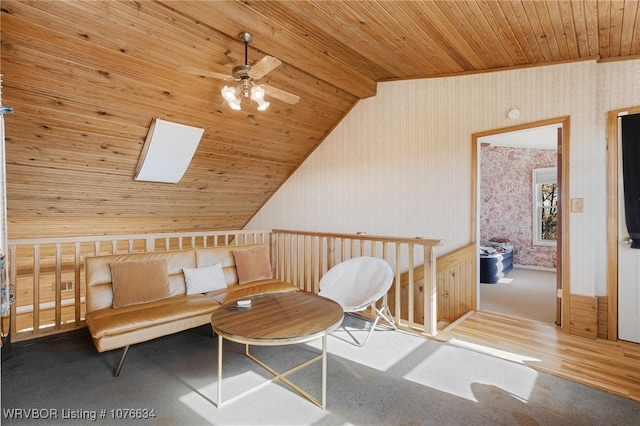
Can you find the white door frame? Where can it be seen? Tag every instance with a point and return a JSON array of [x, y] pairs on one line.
[[612, 218]]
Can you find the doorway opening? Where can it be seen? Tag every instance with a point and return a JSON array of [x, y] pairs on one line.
[[519, 222]]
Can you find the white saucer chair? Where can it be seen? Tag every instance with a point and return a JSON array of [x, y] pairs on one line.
[[357, 284]]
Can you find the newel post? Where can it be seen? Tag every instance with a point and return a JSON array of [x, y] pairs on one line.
[[430, 292]]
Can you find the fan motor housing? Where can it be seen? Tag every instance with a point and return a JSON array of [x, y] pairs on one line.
[[241, 71]]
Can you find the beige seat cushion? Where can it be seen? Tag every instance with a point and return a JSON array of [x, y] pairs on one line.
[[109, 321], [139, 282], [256, 287]]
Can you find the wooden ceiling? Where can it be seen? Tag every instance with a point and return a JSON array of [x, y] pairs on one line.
[[86, 79]]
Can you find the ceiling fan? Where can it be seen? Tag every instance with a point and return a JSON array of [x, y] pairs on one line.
[[248, 77]]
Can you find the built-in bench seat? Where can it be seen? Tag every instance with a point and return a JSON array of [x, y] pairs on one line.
[[118, 315]]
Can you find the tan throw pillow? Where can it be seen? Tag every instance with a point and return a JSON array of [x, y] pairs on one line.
[[139, 282], [253, 264]]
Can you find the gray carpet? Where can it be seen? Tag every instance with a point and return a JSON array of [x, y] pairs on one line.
[[396, 379], [523, 293]]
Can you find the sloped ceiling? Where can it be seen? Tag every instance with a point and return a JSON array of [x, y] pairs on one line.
[[86, 79]]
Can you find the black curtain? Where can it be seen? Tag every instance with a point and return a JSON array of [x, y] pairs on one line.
[[631, 175]]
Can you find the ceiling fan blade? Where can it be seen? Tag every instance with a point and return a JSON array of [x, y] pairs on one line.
[[264, 67], [287, 97], [205, 73]]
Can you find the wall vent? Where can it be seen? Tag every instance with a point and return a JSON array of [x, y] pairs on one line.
[[167, 151]]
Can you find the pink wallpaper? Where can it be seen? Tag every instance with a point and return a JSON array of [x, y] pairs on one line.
[[506, 200]]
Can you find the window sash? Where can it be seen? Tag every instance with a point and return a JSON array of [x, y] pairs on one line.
[[542, 177]]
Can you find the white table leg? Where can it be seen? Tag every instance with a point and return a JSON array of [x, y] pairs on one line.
[[324, 371], [219, 371]]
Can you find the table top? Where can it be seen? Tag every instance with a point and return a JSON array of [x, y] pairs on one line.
[[278, 318]]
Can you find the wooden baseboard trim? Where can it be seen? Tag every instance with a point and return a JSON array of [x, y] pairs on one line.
[[583, 316]]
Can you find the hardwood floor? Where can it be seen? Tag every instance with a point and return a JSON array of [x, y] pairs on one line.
[[603, 364]]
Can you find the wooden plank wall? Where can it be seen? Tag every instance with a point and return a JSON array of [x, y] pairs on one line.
[[456, 274], [456, 289], [583, 316], [603, 317]]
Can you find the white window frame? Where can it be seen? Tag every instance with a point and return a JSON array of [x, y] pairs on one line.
[[541, 176]]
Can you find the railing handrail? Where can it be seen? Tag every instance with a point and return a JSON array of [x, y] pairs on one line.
[[122, 237], [365, 237], [443, 262]]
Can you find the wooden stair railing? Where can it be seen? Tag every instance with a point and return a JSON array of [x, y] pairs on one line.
[[305, 256], [456, 284], [48, 273]]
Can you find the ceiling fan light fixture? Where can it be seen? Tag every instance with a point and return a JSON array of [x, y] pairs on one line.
[[257, 94], [262, 105], [247, 77], [235, 104], [229, 93]]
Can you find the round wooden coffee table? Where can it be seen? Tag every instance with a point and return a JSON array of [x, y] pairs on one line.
[[278, 319]]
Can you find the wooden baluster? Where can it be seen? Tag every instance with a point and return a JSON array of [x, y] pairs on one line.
[[430, 290], [57, 288], [77, 283], [36, 288]]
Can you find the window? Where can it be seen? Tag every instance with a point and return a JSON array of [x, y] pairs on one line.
[[545, 206]]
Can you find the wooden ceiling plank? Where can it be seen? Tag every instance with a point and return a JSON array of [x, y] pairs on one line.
[[233, 17], [520, 35], [342, 34], [402, 40], [635, 43], [441, 19], [286, 152], [587, 28], [161, 59], [74, 24], [69, 112], [510, 34], [548, 33], [591, 26], [424, 49], [537, 29], [629, 26], [458, 14], [240, 178], [551, 22], [604, 26], [94, 89], [76, 58], [566, 27], [106, 105], [478, 13], [530, 33], [446, 58]]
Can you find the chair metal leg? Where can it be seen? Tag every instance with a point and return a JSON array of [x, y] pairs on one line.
[[380, 313], [388, 317], [116, 372]]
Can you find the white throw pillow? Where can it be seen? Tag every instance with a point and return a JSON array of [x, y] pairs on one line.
[[204, 279]]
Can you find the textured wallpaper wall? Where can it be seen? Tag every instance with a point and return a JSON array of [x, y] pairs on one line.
[[506, 200], [400, 163]]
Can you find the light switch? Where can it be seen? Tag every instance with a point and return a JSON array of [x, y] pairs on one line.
[[577, 205]]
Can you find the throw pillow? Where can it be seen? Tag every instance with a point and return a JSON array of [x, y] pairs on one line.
[[253, 264], [204, 279], [139, 282]]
